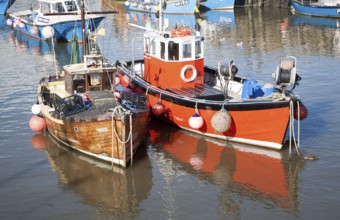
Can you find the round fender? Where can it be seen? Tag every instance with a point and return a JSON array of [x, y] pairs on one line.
[[194, 73]]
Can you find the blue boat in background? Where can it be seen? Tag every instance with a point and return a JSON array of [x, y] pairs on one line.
[[169, 7], [4, 5], [54, 20], [325, 8], [216, 4]]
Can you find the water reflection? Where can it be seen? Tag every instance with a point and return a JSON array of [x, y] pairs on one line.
[[117, 193], [241, 171]]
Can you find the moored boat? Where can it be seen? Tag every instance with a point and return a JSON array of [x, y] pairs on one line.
[[216, 4], [169, 7], [55, 20], [80, 109], [4, 5], [184, 92], [326, 8]]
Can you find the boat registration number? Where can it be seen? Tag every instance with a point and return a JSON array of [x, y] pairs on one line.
[[183, 2]]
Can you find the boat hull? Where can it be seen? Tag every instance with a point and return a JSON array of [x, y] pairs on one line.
[[173, 7], [316, 10], [4, 5], [216, 4], [256, 122], [63, 30], [97, 138]]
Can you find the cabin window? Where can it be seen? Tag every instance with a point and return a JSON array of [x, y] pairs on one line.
[[147, 45], [71, 6], [79, 83], [153, 47], [58, 7], [162, 50], [173, 49], [198, 49], [187, 50], [44, 8]]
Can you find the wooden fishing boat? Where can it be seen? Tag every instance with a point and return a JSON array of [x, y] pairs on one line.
[[183, 91], [216, 4], [4, 5], [169, 7], [326, 8], [79, 109], [55, 19]]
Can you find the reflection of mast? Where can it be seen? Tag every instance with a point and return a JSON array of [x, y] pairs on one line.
[[166, 167]]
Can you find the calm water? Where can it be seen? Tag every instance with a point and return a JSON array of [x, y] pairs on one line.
[[177, 175]]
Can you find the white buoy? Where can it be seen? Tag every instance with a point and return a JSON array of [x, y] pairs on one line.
[[36, 109], [9, 22], [196, 121], [48, 32], [22, 25]]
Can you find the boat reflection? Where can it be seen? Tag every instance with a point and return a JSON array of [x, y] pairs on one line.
[[253, 173], [24, 43], [316, 21], [151, 21], [120, 191]]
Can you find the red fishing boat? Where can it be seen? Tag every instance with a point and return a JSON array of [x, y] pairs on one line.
[[210, 101]]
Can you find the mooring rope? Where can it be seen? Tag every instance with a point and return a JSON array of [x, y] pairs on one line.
[[292, 131], [114, 132]]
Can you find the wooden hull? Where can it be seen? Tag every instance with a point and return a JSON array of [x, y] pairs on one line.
[[316, 10], [102, 139], [261, 122]]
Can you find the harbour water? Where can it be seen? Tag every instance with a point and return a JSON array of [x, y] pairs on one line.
[[178, 175]]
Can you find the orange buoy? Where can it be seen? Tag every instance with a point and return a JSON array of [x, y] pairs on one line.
[[157, 109], [39, 141], [37, 123]]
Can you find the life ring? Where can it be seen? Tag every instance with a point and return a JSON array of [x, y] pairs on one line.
[[194, 73], [181, 32]]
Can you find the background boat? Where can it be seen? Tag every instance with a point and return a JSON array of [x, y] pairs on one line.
[[319, 9], [216, 4], [56, 25]]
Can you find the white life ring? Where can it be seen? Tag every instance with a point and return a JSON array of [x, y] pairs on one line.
[[194, 73]]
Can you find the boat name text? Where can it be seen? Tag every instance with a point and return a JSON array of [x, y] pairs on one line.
[[183, 2]]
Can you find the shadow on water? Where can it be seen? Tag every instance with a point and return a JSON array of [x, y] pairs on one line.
[[240, 171], [117, 191]]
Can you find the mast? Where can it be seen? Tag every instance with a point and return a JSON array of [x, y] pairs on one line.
[[82, 10]]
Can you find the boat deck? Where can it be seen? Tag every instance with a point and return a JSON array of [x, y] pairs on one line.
[[200, 92]]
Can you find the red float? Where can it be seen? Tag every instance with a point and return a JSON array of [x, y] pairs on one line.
[[157, 109], [39, 141], [303, 112], [37, 123]]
